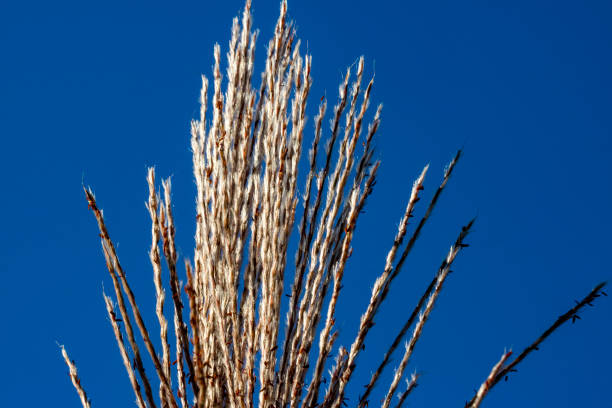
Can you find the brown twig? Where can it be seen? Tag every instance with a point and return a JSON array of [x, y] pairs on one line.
[[571, 314]]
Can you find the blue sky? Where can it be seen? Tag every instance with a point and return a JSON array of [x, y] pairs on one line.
[[96, 92]]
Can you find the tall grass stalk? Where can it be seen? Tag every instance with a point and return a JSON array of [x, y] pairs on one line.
[[226, 340]]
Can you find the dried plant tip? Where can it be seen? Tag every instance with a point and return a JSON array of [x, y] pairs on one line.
[[76, 381]]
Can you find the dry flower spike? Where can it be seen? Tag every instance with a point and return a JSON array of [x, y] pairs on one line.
[[227, 342]]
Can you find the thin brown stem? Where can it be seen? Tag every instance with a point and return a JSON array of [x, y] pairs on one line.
[[571, 314]]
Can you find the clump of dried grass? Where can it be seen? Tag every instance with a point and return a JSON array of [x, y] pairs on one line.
[[245, 161]]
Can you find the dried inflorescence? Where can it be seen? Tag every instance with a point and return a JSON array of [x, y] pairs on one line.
[[228, 349]]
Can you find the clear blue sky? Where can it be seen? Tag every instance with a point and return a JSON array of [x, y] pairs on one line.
[[99, 91]]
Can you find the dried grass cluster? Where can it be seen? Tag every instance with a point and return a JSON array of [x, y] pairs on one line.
[[227, 347]]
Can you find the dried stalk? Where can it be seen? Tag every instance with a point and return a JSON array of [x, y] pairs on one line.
[[416, 334], [571, 314], [114, 320], [152, 206], [411, 385], [76, 381]]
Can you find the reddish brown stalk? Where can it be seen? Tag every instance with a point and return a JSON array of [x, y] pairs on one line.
[[91, 201], [137, 362], [114, 320], [166, 222], [198, 372]]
